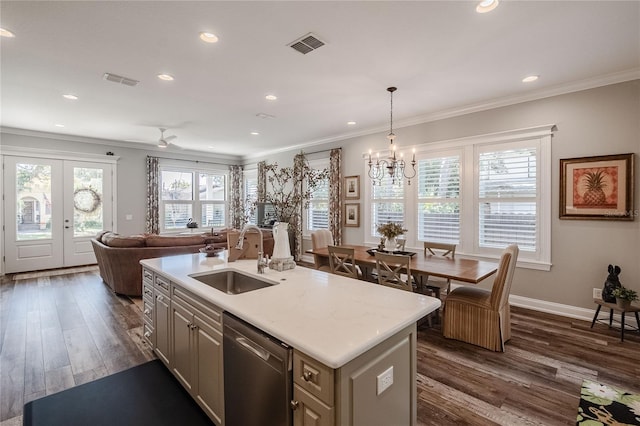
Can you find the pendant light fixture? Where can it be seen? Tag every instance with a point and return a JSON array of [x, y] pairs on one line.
[[394, 167]]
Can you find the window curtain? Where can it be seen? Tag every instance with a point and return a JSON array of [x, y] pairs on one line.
[[153, 194], [262, 181], [298, 175], [335, 194], [236, 205]]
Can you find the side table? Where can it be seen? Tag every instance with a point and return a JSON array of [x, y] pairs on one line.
[[613, 307]]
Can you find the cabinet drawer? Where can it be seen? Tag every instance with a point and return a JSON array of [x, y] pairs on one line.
[[313, 376], [147, 290], [147, 310], [147, 275], [310, 411], [147, 334], [207, 312], [162, 284]]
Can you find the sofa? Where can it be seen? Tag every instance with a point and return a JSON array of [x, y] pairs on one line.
[[119, 257]]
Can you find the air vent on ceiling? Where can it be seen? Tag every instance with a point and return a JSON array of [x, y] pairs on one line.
[[119, 79], [306, 43]]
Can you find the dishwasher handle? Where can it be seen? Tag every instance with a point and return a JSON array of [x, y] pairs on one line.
[[252, 347]]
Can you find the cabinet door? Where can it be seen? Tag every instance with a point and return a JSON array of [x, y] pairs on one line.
[[181, 337], [209, 365], [162, 329], [310, 411]]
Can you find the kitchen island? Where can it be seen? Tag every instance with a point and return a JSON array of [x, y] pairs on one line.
[[354, 342]]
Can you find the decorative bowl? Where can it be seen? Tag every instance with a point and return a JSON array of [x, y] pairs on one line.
[[211, 251]]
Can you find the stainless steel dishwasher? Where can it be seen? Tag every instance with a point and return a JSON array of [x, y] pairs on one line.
[[257, 376]]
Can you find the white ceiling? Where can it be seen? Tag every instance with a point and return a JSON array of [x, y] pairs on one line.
[[443, 57]]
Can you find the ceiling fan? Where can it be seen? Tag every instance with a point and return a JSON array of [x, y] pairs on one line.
[[164, 142]]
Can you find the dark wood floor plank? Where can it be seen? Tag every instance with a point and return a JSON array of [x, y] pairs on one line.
[[85, 332]]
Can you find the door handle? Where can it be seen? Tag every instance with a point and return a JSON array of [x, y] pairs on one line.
[[252, 348]]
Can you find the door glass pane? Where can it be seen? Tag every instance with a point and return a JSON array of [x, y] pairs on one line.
[[33, 201], [87, 201]]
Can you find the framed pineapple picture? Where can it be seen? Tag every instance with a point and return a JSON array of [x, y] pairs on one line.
[[597, 188]]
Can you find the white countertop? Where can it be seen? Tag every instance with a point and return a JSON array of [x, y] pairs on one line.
[[331, 318]]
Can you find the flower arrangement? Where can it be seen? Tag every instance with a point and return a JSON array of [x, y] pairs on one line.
[[625, 294], [390, 230]]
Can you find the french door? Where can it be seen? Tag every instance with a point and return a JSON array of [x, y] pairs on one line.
[[52, 209]]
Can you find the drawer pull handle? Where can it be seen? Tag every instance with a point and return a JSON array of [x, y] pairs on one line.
[[160, 298], [147, 311], [295, 405], [307, 376], [147, 334]]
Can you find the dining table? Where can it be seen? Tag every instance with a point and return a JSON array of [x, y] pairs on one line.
[[469, 271]]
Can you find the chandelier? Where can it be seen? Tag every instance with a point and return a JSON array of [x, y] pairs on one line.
[[395, 168]]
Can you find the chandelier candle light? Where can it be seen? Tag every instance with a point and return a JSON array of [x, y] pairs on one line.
[[396, 169]]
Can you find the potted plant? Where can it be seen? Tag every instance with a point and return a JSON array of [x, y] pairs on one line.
[[624, 296], [390, 231]]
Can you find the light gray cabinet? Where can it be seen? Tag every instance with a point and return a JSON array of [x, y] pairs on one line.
[[162, 325], [197, 351]]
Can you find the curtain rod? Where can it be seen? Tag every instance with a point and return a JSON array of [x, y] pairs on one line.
[[194, 161]]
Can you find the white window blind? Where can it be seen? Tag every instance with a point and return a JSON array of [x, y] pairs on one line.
[[192, 194], [251, 196], [438, 200], [387, 203], [318, 211], [508, 197]]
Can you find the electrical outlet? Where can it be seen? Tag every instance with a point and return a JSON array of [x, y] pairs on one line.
[[597, 293], [385, 379]]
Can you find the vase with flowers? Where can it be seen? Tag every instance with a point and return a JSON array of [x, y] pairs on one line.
[[624, 296], [390, 231]]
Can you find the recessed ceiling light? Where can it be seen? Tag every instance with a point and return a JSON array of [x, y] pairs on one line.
[[165, 77], [530, 78], [59, 125], [351, 123], [6, 33], [271, 97], [210, 147], [487, 6], [208, 37], [255, 133], [70, 96]]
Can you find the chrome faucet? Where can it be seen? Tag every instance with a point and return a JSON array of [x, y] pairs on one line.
[[262, 261]]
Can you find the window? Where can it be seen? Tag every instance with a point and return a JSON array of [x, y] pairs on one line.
[[507, 197], [192, 194], [251, 195], [439, 199], [387, 203], [317, 214], [481, 193]]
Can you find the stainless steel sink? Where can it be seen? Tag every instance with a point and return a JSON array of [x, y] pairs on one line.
[[232, 282]]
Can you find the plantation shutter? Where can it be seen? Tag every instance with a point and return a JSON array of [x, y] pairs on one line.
[[508, 197], [318, 211], [439, 199], [387, 204], [251, 196]]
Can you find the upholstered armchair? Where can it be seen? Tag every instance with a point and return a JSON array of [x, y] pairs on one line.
[[482, 317]]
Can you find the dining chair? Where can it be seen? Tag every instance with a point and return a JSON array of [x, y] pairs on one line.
[[401, 243], [434, 284], [394, 270], [320, 239], [342, 262], [483, 317]]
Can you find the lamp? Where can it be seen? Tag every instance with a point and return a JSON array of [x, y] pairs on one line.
[[396, 169]]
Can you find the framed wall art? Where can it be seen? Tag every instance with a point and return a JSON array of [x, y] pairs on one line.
[[352, 215], [352, 187], [597, 187]]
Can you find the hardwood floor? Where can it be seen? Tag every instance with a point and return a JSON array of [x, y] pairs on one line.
[[59, 331]]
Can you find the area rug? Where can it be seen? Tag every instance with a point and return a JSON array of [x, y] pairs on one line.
[[144, 395], [607, 405]]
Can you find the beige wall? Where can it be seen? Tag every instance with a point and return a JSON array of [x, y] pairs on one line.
[[599, 121]]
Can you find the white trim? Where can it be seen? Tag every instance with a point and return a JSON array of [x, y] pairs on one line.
[[58, 155]]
